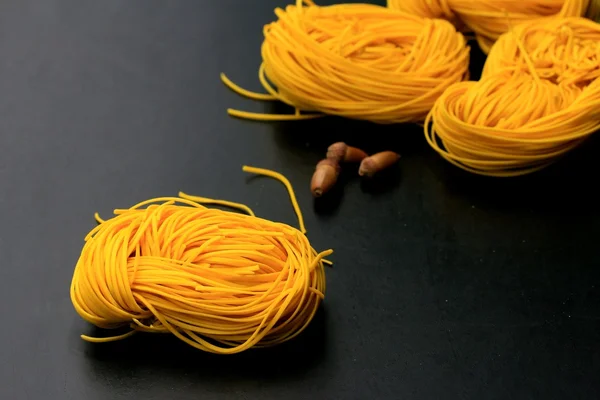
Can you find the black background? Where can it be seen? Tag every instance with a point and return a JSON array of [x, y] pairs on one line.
[[446, 285]]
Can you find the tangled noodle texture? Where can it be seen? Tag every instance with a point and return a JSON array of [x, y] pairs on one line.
[[220, 281]]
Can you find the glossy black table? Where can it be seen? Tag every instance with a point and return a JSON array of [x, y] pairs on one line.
[[446, 285]]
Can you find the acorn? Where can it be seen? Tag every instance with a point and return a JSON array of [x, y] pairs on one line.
[[377, 162], [325, 176], [341, 152]]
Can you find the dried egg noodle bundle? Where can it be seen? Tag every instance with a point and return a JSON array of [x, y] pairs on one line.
[[488, 19], [538, 98], [357, 61], [220, 281]]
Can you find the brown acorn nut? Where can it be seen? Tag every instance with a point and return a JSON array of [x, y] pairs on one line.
[[341, 152], [325, 176], [377, 162]]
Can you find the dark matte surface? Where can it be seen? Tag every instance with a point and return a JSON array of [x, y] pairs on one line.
[[445, 285]]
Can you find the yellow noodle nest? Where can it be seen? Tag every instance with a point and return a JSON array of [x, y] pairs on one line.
[[538, 98], [220, 281], [357, 61], [489, 19]]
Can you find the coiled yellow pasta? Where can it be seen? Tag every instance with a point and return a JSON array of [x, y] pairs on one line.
[[220, 281], [489, 18], [357, 61], [538, 98]]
